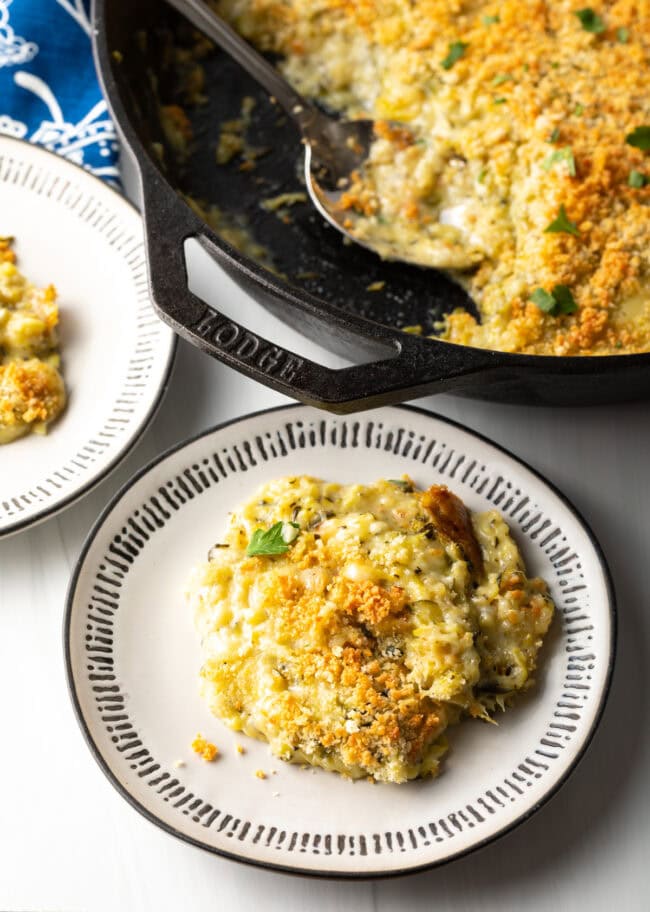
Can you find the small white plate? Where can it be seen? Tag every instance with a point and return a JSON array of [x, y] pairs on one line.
[[73, 231], [133, 656]]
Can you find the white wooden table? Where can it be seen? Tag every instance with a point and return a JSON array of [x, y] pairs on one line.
[[69, 843]]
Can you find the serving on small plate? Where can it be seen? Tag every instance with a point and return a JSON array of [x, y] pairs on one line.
[[73, 232], [133, 656]]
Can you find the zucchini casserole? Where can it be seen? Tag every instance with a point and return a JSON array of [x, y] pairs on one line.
[[512, 149], [32, 393], [350, 625]]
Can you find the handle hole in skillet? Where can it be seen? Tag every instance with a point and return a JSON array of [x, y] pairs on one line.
[[212, 284]]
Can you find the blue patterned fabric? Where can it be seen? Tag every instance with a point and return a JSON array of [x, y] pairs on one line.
[[49, 92]]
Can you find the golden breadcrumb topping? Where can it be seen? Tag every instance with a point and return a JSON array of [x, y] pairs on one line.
[[31, 388], [349, 626], [512, 149]]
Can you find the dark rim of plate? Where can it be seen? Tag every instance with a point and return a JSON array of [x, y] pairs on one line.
[[310, 872], [86, 488]]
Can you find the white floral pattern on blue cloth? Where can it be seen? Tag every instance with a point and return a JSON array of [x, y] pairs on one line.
[[49, 92]]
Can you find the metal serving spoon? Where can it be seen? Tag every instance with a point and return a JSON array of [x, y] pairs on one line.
[[333, 148]]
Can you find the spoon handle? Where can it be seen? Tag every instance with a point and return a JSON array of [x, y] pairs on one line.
[[212, 25]]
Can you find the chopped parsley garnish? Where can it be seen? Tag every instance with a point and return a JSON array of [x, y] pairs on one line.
[[554, 135], [544, 300], [562, 224], [639, 138], [500, 100], [456, 51], [590, 21], [561, 155], [637, 180], [500, 78], [579, 110], [622, 35], [482, 175], [490, 20], [565, 301], [556, 302], [275, 540]]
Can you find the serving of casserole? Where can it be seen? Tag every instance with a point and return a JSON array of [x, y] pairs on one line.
[[350, 625], [32, 392]]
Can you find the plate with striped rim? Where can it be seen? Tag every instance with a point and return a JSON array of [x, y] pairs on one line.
[[73, 231], [133, 657]]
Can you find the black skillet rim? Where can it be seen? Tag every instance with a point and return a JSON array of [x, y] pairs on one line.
[[308, 872]]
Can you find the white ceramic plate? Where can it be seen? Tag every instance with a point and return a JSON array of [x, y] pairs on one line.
[[73, 231], [133, 657]]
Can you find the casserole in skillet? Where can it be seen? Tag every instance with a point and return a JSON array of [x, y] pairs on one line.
[[344, 297]]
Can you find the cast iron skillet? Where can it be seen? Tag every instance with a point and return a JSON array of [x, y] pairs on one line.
[[319, 284]]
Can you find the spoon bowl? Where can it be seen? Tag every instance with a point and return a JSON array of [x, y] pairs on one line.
[[334, 148]]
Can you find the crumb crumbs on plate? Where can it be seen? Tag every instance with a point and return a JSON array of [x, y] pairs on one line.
[[178, 764], [260, 774], [376, 286], [240, 749], [205, 749]]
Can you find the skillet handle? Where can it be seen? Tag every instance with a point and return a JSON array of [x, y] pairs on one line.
[[408, 366]]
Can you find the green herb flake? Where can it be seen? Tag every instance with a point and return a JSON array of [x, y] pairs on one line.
[[590, 21], [639, 138], [402, 483], [482, 175], [579, 110], [544, 300], [554, 135], [500, 78], [622, 35], [500, 100], [456, 51], [276, 540], [561, 156], [564, 299], [562, 225], [557, 302], [637, 180], [490, 20]]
